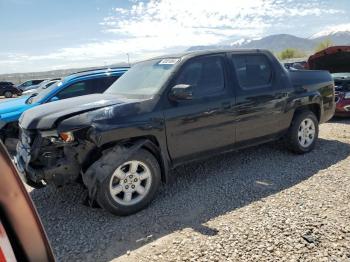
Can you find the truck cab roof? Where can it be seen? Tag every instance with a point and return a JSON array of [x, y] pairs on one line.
[[191, 54]]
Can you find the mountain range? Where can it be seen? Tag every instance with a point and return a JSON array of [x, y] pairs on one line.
[[277, 43]]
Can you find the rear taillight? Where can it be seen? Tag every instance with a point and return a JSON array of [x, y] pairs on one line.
[[6, 251]]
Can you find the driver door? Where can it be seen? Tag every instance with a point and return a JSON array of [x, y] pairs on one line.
[[204, 123]]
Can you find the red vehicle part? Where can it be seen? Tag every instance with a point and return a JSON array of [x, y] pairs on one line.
[[6, 251], [21, 233], [342, 104], [335, 59]]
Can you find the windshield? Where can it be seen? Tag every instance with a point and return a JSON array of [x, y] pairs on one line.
[[341, 75], [143, 79], [43, 93]]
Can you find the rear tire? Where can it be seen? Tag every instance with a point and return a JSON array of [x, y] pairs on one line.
[[303, 132], [131, 186], [8, 94]]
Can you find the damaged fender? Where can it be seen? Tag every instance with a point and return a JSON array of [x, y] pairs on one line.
[[98, 171]]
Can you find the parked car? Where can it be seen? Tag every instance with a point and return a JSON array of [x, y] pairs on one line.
[[33, 87], [42, 86], [83, 83], [30, 84], [6, 83], [342, 94], [7, 89], [22, 236], [167, 111], [336, 59]]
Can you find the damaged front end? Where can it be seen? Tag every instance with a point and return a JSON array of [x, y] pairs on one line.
[[58, 142], [55, 143], [49, 157]]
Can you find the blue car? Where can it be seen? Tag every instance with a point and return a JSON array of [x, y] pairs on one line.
[[78, 84]]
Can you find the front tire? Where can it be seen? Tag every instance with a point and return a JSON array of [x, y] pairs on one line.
[[8, 94], [131, 186], [303, 132]]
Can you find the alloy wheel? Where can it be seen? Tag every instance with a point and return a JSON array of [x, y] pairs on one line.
[[130, 183], [306, 132]]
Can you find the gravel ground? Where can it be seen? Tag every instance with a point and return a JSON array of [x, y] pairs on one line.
[[259, 204]]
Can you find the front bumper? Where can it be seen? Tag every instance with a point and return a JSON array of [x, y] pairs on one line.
[[342, 107], [342, 113], [22, 159], [41, 165]]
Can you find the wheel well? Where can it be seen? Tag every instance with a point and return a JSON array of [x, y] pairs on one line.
[[152, 146], [315, 108]]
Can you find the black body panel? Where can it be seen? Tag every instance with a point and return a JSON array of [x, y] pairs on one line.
[[179, 131]]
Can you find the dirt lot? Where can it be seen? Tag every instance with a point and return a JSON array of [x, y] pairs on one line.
[[259, 204]]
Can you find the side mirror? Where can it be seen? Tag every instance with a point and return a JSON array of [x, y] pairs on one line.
[[54, 98], [181, 92]]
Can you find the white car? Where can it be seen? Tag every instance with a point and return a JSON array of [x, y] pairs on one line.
[[30, 84], [45, 84]]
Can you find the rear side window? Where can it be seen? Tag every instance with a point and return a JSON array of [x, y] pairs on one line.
[[205, 75], [101, 84], [36, 82], [253, 71], [28, 83], [87, 87]]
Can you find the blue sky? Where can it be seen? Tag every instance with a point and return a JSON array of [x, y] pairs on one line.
[[39, 35]]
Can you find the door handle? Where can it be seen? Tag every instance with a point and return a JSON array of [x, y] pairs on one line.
[[281, 95], [226, 105], [210, 112]]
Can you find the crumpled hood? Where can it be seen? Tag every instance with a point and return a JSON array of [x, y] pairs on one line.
[[45, 116]]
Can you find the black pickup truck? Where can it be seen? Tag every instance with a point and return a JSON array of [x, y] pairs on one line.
[[166, 111]]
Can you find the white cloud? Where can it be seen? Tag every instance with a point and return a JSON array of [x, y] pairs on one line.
[[199, 22], [160, 26]]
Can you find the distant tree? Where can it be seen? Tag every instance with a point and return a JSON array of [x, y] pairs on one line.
[[324, 44], [290, 53]]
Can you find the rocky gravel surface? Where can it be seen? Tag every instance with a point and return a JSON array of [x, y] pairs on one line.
[[259, 204]]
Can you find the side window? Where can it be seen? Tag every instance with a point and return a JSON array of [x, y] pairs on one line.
[[205, 75], [49, 84], [253, 71], [100, 85], [28, 83], [87, 87], [77, 89], [36, 82]]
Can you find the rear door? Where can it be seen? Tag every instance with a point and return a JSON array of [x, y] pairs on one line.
[[261, 97], [204, 123]]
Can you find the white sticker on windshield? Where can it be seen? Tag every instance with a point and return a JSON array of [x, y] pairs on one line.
[[169, 61]]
